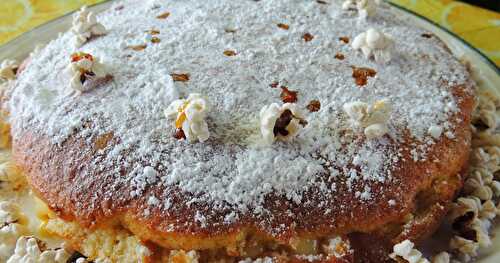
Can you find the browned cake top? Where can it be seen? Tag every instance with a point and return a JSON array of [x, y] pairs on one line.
[[110, 151]]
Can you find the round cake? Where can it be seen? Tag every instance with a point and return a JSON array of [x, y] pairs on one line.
[[323, 131]]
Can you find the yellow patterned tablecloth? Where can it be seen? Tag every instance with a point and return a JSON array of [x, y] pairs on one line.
[[479, 27]]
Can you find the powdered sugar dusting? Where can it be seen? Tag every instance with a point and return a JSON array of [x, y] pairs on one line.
[[230, 169]]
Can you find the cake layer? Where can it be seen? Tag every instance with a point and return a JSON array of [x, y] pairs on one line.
[[109, 154]]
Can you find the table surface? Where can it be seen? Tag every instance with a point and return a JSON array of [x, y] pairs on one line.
[[477, 26]]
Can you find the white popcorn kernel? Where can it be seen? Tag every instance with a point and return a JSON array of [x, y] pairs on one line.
[[338, 247], [85, 26], [495, 187], [189, 115], [86, 72], [365, 8], [442, 257], [270, 116], [374, 43], [464, 205], [464, 246], [406, 251], [8, 69], [349, 4], [372, 118], [403, 248], [476, 186], [58, 255], [481, 228], [488, 210], [357, 111], [376, 131], [28, 250], [435, 131], [10, 229], [8, 212], [450, 135]]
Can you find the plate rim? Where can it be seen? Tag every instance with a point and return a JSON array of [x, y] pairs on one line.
[[485, 58], [54, 20]]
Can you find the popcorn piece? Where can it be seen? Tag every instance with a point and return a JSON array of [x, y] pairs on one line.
[[476, 186], [29, 249], [480, 157], [189, 115], [338, 247], [488, 210], [374, 43], [464, 246], [280, 122], [85, 26], [372, 118], [406, 251], [495, 186], [485, 116], [481, 183], [472, 220], [86, 72], [9, 213], [481, 228], [10, 172], [10, 229], [450, 135], [464, 205], [442, 257], [435, 131], [357, 111], [8, 69], [487, 157], [376, 131], [365, 8], [57, 255], [472, 215]]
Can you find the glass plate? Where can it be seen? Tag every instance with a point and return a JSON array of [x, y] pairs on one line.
[[484, 71]]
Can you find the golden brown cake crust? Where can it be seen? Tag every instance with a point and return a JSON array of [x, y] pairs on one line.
[[84, 174], [54, 171]]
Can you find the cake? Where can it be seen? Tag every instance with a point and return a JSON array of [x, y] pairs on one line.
[[294, 131]]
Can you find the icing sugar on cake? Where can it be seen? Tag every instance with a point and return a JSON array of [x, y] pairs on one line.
[[232, 169]]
